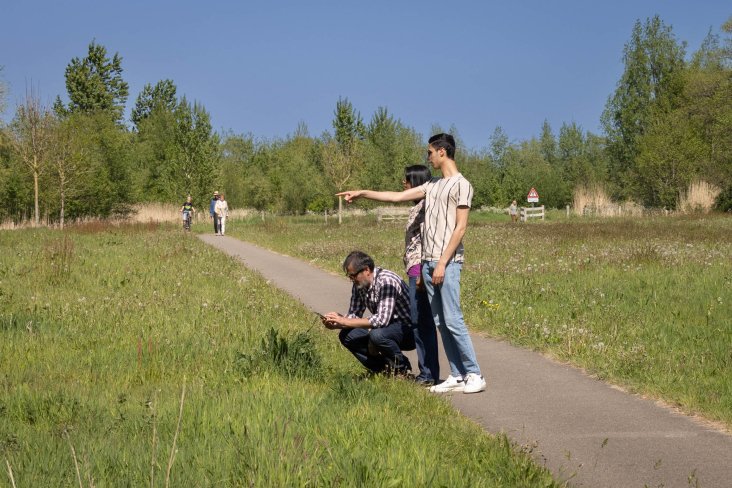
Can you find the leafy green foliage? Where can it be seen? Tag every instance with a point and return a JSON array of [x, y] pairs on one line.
[[194, 153], [347, 124], [667, 124], [4, 91], [95, 83], [163, 95], [652, 80]]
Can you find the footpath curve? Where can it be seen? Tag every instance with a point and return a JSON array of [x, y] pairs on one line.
[[532, 398]]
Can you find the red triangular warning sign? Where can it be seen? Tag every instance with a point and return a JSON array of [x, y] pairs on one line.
[[533, 194]]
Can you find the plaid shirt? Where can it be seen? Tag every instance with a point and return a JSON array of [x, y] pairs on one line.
[[387, 299]]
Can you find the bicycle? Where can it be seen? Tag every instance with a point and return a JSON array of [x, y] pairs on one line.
[[187, 219]]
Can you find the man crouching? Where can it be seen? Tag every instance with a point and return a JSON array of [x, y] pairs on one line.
[[379, 340]]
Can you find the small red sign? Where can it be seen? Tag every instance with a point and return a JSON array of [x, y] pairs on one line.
[[533, 194]]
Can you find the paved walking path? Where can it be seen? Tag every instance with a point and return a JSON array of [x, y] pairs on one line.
[[529, 396]]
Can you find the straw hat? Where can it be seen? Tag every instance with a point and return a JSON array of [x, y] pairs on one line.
[[216, 193]]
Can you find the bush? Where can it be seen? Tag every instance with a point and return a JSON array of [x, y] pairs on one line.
[[321, 204], [295, 355], [724, 201]]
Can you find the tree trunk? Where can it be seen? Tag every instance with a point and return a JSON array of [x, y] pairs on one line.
[[62, 212], [35, 188], [340, 210]]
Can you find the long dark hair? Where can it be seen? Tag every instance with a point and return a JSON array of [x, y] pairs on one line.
[[417, 175]]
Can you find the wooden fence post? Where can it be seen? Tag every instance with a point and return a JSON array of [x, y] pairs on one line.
[[378, 214], [567, 211]]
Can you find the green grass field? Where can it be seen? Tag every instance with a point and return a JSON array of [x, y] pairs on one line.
[[101, 324], [642, 303]]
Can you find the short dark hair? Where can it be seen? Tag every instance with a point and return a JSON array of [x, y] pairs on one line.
[[358, 261], [445, 141], [417, 175]]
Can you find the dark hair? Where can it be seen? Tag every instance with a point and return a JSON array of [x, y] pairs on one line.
[[445, 141], [358, 261], [417, 175]]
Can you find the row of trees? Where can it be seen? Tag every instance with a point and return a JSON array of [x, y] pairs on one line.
[[81, 159], [668, 123]]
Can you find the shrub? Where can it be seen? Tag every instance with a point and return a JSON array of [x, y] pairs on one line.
[[724, 201], [294, 355]]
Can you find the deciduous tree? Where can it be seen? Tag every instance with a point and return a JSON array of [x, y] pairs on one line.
[[4, 92], [70, 161], [651, 82], [95, 83], [194, 157], [161, 95], [31, 131], [348, 124]]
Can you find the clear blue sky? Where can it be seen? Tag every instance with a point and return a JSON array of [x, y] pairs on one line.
[[260, 67]]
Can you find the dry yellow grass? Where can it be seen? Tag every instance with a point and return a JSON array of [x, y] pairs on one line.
[[595, 200], [699, 197], [142, 213], [169, 212]]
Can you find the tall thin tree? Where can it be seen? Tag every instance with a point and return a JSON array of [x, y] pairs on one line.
[[30, 134], [69, 161]]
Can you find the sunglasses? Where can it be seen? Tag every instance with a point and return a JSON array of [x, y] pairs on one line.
[[355, 275]]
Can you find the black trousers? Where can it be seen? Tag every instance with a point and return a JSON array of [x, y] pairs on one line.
[[216, 224], [390, 341]]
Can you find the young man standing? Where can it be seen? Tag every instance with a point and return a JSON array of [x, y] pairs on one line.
[[447, 203]]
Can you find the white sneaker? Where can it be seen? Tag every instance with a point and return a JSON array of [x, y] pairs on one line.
[[450, 384], [473, 383]]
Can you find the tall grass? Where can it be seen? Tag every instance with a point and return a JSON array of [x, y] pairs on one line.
[[643, 303], [141, 213], [95, 359], [699, 197], [593, 198]]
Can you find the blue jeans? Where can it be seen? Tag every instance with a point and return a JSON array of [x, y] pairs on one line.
[[445, 305], [425, 333], [390, 341]]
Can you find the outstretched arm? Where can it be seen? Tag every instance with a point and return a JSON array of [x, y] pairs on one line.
[[383, 196]]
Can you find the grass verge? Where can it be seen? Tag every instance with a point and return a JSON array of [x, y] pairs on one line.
[[101, 324]]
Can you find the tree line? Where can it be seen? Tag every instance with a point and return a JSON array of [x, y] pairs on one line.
[[667, 124]]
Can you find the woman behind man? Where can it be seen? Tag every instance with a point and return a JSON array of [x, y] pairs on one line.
[[222, 213], [425, 332]]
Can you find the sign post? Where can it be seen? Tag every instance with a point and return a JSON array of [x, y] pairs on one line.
[[532, 198]]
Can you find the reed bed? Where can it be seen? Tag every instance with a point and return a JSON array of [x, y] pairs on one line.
[[699, 197]]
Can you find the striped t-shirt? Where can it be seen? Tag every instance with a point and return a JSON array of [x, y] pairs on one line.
[[442, 198]]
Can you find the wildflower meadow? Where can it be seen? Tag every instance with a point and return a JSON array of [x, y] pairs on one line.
[[643, 303]]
